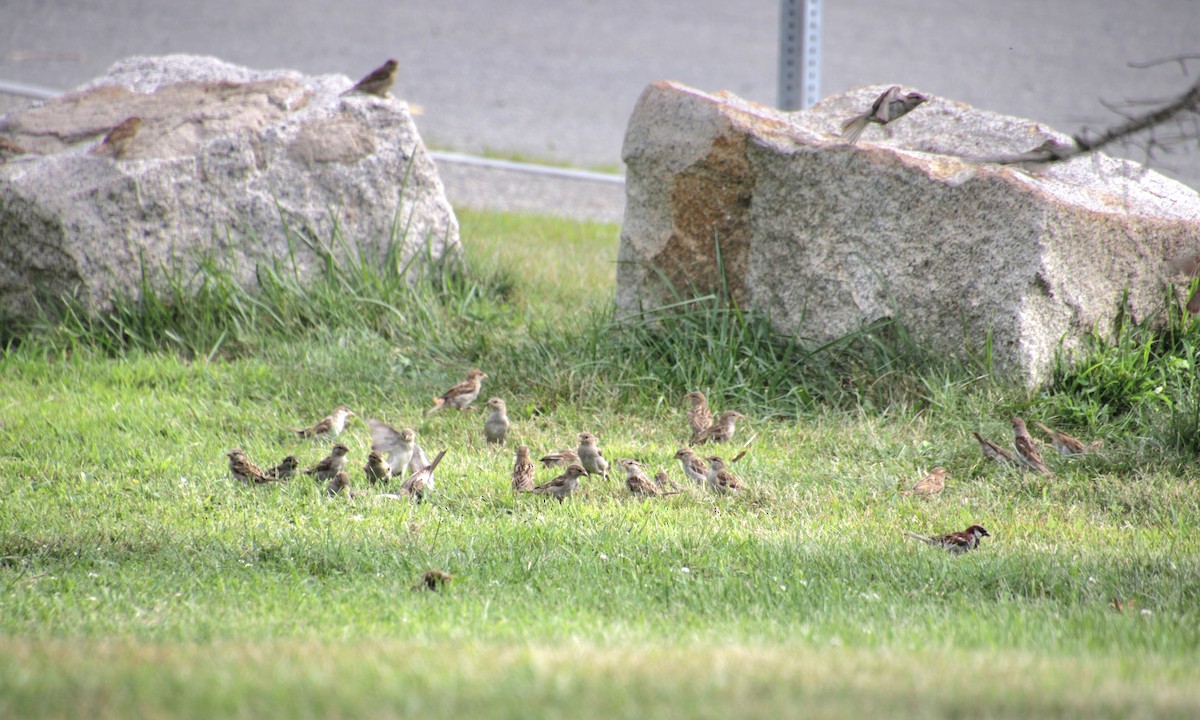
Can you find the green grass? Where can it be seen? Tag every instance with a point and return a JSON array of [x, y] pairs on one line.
[[137, 579]]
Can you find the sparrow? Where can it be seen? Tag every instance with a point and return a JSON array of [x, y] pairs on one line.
[[461, 395], [245, 471], [955, 543], [720, 479], [698, 415], [418, 461], [1189, 265], [341, 483], [331, 425], [694, 468], [722, 429], [117, 140], [377, 469], [930, 485], [1027, 452], [285, 469], [559, 458], [421, 481], [495, 428], [562, 486], [889, 106], [9, 148], [590, 456], [523, 471], [636, 480], [398, 444], [1065, 444], [378, 82], [665, 483], [333, 464], [1037, 159], [992, 451], [433, 580]]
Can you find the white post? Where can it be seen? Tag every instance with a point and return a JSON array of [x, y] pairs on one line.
[[799, 53]]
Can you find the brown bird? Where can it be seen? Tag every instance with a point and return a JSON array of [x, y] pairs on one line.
[[421, 481], [1027, 452], [636, 480], [331, 425], [720, 479], [694, 468], [590, 456], [377, 470], [955, 543], [462, 394], [333, 464], [495, 428], [378, 82], [559, 458], [564, 485], [285, 469], [340, 484], [889, 106], [1189, 265], [930, 485], [400, 445], [116, 142], [433, 580], [1065, 444], [523, 471], [665, 483], [992, 451], [698, 415], [722, 428], [245, 471]]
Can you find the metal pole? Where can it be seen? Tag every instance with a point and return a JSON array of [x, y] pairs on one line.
[[799, 53]]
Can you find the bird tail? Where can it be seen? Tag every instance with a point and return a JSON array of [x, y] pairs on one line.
[[854, 127], [438, 402], [922, 538], [302, 433], [737, 457]]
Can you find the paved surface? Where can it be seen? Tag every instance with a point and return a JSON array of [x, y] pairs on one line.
[[558, 80]]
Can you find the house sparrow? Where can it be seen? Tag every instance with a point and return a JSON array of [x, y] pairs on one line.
[[433, 580], [331, 425], [377, 469], [340, 484], [694, 468], [421, 481], [523, 471], [720, 479], [398, 444], [889, 106], [722, 428], [1036, 160], [931, 484], [992, 451], [559, 458], [245, 471], [955, 543], [378, 82], [590, 456], [698, 415], [285, 469], [1027, 452], [333, 464], [665, 483], [495, 428], [636, 480], [1189, 265], [117, 140], [1065, 444], [461, 395], [562, 486]]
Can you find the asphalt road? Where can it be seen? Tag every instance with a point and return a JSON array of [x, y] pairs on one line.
[[557, 80]]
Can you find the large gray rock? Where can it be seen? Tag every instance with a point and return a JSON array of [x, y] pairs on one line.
[[229, 162], [828, 237]]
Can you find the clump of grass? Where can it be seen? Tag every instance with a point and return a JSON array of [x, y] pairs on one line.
[[1140, 376]]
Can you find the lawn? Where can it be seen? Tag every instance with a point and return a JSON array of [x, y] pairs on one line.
[[138, 578]]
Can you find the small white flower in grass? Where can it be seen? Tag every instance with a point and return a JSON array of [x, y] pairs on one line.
[[93, 575], [1147, 612], [685, 569], [603, 557], [1091, 580], [357, 518], [869, 595], [183, 481]]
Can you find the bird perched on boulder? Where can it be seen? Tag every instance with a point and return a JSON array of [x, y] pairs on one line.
[[377, 82], [891, 105], [116, 142]]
